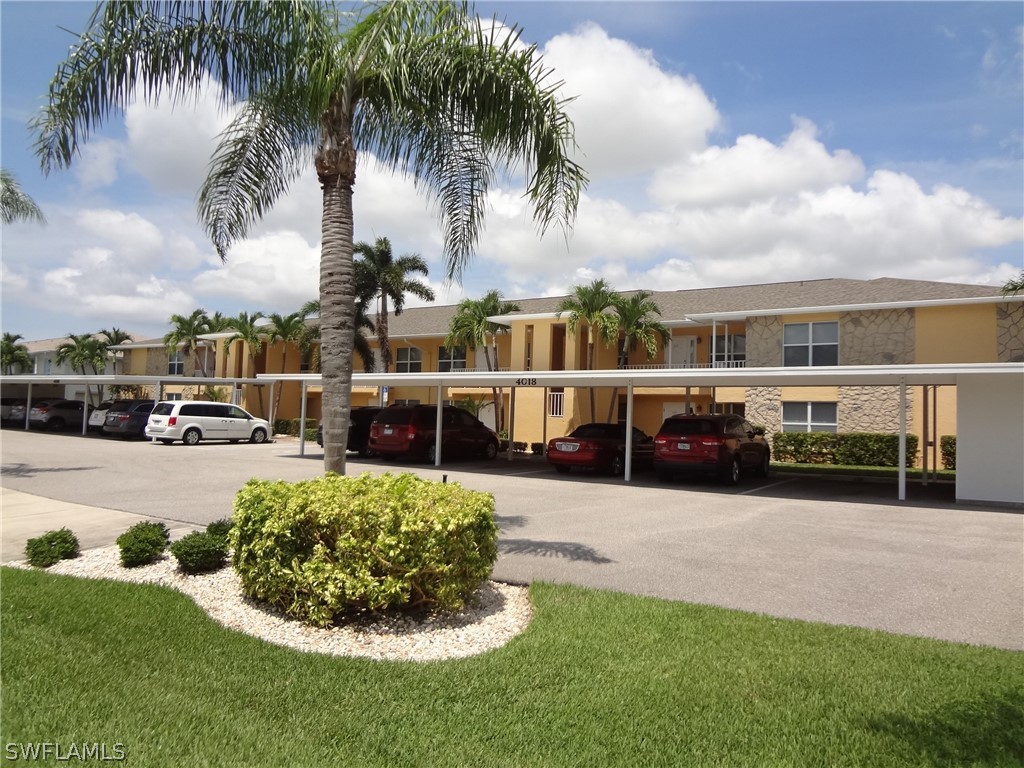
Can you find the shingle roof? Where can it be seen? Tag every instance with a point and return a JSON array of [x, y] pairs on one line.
[[676, 305]]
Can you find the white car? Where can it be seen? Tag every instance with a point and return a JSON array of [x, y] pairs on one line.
[[192, 420]]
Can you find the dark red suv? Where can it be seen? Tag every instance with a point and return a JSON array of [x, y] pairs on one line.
[[410, 430], [726, 446]]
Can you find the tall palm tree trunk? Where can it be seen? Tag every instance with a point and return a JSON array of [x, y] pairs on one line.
[[280, 389], [383, 340], [336, 169], [590, 367]]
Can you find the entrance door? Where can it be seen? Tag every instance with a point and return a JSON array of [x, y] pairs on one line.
[[683, 353]]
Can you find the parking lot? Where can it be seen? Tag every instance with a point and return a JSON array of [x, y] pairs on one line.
[[836, 551]]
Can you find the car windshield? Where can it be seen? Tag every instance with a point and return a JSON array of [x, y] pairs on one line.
[[689, 427]]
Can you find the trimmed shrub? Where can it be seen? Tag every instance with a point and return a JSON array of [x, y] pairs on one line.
[[220, 528], [321, 549], [519, 446], [143, 543], [858, 449], [51, 548], [537, 449], [947, 447], [294, 427], [200, 552]]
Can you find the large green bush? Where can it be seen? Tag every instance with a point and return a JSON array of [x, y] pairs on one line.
[[51, 547], [200, 552], [947, 446], [857, 449], [323, 548], [143, 543]]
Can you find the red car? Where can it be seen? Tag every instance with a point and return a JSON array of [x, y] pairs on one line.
[[723, 445], [601, 447], [411, 431]]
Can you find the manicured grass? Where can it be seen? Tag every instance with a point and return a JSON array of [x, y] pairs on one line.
[[947, 475], [598, 679]]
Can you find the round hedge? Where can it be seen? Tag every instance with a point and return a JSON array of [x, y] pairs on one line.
[[321, 549]]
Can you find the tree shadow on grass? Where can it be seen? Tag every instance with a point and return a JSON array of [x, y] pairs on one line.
[[569, 550], [983, 731]]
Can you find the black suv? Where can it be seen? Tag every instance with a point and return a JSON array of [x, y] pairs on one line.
[[726, 446], [358, 430]]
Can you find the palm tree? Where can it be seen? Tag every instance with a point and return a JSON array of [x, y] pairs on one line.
[[185, 333], [284, 329], [1014, 285], [428, 88], [636, 328], [83, 351], [380, 276], [587, 305], [15, 205], [471, 328], [252, 337], [14, 354], [113, 338]]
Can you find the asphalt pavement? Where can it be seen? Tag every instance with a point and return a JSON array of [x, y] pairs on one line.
[[839, 552]]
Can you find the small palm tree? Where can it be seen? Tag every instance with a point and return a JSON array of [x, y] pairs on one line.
[[83, 351], [13, 354], [588, 306], [185, 333], [471, 328], [284, 330], [429, 88], [252, 337], [636, 328], [381, 276], [1014, 285], [112, 338], [360, 344], [15, 205]]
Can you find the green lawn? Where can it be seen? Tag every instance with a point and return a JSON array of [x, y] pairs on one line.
[[598, 679]]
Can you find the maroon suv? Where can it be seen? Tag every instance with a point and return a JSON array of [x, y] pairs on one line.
[[726, 446], [410, 430]]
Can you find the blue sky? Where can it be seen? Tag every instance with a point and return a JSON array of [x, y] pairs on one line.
[[727, 143]]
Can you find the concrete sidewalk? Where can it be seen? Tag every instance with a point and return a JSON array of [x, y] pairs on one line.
[[24, 516]]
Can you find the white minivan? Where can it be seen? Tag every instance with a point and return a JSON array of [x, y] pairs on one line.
[[192, 420]]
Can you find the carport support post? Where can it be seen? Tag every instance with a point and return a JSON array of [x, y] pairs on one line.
[[628, 474], [511, 419], [903, 440], [302, 421], [85, 412], [28, 404], [438, 428]]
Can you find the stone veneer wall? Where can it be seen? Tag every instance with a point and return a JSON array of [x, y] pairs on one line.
[[1010, 332], [880, 337], [764, 342], [872, 409], [764, 408]]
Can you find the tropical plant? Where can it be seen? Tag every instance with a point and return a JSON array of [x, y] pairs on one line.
[[1014, 285], [471, 328], [360, 344], [380, 276], [428, 88], [15, 204], [113, 338], [83, 351], [185, 333], [14, 355], [636, 328], [247, 332], [284, 330], [587, 306]]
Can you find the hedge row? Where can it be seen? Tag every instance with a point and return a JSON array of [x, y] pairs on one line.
[[860, 449], [947, 446], [294, 427]]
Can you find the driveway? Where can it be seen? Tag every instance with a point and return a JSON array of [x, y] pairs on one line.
[[837, 552]]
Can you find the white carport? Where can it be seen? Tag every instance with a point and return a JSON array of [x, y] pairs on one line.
[[990, 405]]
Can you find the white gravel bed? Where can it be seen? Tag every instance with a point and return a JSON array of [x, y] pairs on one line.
[[497, 613]]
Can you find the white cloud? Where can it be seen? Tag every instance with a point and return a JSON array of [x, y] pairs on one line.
[[97, 165]]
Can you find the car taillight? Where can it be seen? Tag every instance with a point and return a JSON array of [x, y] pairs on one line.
[[411, 433], [172, 420], [661, 441], [713, 442]]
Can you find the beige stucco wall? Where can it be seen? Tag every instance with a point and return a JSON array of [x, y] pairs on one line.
[[964, 334]]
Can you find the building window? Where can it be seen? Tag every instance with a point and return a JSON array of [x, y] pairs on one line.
[[175, 363], [730, 351], [737, 409], [408, 360], [810, 417], [172, 396], [556, 402], [810, 344], [453, 359]]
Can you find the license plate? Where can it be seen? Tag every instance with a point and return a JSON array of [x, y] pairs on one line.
[[683, 446], [567, 447], [388, 430]]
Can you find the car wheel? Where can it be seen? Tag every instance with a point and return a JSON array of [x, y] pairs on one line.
[[561, 469], [491, 451], [258, 436], [191, 437], [617, 465], [732, 475]]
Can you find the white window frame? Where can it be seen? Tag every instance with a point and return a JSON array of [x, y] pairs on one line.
[[412, 362], [176, 363], [451, 359], [810, 345], [807, 421]]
